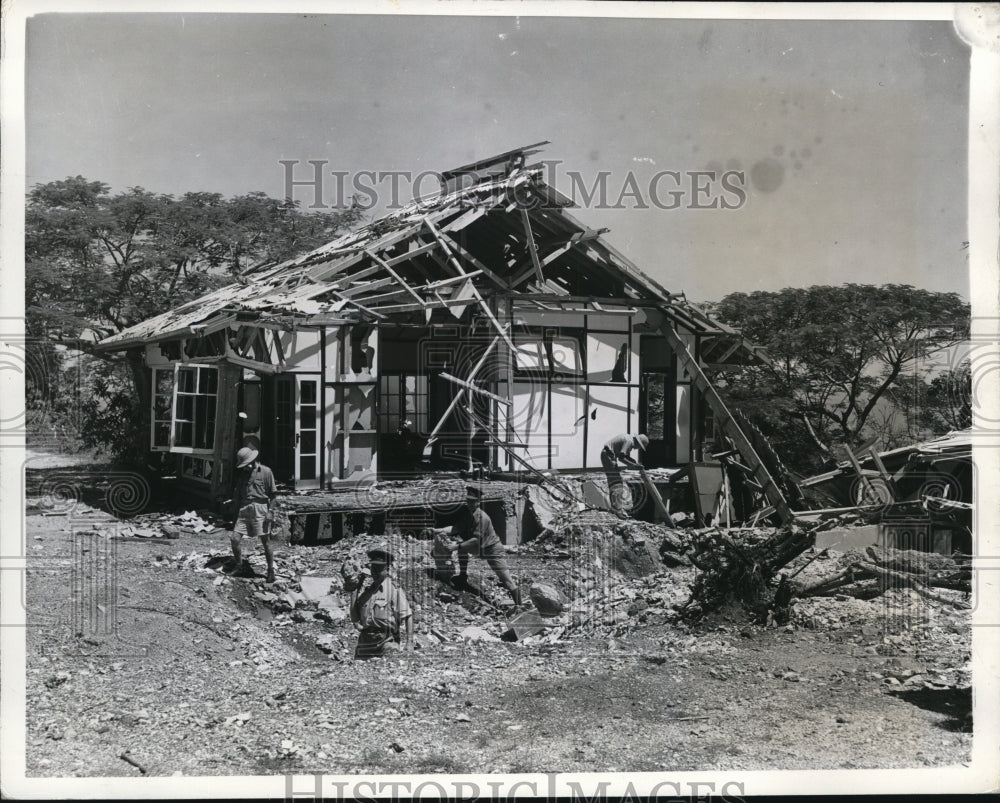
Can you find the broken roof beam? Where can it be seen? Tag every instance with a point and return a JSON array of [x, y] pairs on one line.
[[421, 288], [505, 159], [361, 307], [475, 388], [396, 276], [255, 365], [530, 240], [412, 254], [358, 289], [458, 267], [597, 267], [461, 393], [567, 298], [476, 263], [531, 269], [727, 423], [439, 303]]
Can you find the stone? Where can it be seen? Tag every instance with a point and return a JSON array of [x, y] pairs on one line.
[[547, 599], [315, 588], [473, 633], [327, 643], [330, 608], [523, 625]]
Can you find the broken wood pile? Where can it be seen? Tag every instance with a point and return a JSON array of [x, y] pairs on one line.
[[876, 570], [738, 565]]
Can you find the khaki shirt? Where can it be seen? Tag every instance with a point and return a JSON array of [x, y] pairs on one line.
[[478, 525], [256, 485], [621, 445], [384, 609]]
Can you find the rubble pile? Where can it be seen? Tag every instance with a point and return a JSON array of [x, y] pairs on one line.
[[901, 622], [166, 525], [611, 573]]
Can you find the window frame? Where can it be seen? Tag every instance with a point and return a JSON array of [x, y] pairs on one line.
[[171, 445], [549, 337]]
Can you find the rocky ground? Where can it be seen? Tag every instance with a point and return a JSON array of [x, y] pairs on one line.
[[138, 646]]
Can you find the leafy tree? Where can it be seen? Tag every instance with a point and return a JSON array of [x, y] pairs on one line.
[[838, 352], [98, 263]]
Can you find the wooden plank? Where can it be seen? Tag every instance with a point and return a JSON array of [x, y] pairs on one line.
[[254, 365], [482, 302], [530, 240], [530, 269], [545, 479], [461, 394], [428, 305], [416, 252], [770, 488], [324, 270], [359, 306], [475, 388], [396, 276], [662, 514], [426, 288], [476, 263], [890, 483], [378, 284]]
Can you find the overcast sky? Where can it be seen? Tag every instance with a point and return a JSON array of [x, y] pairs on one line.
[[852, 135]]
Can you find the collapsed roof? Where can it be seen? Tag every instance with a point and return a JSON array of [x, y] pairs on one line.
[[495, 228]]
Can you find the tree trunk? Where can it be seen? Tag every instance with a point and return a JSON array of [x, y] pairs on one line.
[[143, 394]]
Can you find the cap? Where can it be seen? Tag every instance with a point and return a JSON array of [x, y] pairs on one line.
[[642, 441], [473, 494], [245, 456]]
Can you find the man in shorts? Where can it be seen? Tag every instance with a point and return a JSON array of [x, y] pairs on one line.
[[474, 535], [254, 501]]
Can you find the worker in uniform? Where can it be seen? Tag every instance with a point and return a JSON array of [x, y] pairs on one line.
[[379, 609], [616, 455], [474, 535], [253, 499]]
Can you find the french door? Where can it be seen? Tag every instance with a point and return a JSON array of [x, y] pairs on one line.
[[296, 429]]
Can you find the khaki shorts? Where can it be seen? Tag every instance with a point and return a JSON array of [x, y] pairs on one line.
[[250, 521]]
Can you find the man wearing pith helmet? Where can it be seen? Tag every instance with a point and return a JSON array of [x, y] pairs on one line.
[[617, 454], [254, 499]]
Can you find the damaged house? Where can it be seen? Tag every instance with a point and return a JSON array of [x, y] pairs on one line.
[[485, 327]]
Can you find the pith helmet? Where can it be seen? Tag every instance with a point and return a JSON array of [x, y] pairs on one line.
[[245, 456]]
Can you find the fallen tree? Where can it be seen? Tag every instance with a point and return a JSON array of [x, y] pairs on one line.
[[738, 565], [883, 569]]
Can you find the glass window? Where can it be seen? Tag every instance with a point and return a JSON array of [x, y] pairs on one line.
[[184, 403], [402, 397], [607, 357], [530, 355], [566, 358]]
